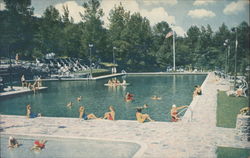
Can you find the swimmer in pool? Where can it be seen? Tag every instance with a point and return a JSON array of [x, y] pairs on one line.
[[128, 97], [79, 98], [70, 104], [155, 98]]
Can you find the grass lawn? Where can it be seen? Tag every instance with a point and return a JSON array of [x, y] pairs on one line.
[[223, 152], [228, 108]]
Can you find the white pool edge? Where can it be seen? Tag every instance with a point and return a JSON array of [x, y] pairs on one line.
[[138, 153], [189, 114]]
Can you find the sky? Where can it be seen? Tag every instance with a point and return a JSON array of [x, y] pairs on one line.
[[181, 14]]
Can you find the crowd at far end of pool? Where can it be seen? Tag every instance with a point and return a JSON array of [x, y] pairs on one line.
[[110, 115]]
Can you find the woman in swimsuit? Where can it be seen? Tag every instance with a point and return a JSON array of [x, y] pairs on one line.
[[84, 116], [29, 114], [142, 117], [174, 112], [110, 115]]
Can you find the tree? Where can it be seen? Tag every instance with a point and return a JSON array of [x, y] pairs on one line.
[[93, 31], [137, 34], [162, 47], [118, 18], [17, 28], [49, 36]]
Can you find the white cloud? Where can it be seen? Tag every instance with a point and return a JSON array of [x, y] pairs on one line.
[[235, 7], [38, 15], [2, 6], [201, 13], [203, 2], [155, 15], [179, 31], [159, 2], [74, 10]]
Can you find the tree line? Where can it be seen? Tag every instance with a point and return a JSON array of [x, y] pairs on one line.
[[137, 46]]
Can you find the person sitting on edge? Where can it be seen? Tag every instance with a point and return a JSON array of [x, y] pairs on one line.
[[29, 86], [142, 117], [13, 142], [195, 92], [198, 89], [39, 82], [84, 116], [174, 112], [110, 115], [34, 87], [29, 114], [39, 145]]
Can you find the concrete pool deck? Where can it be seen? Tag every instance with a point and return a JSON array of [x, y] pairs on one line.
[[18, 90], [195, 136]]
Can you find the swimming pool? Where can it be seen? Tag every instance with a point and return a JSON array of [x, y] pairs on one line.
[[68, 147], [174, 89]]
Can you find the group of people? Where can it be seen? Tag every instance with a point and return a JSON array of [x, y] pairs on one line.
[[145, 117], [128, 97], [36, 85], [108, 115], [140, 117], [116, 82], [70, 104], [37, 146]]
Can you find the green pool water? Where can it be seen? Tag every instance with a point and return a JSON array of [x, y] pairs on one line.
[[174, 89], [67, 148]]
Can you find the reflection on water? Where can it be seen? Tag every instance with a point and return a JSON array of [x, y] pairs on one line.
[[173, 89]]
